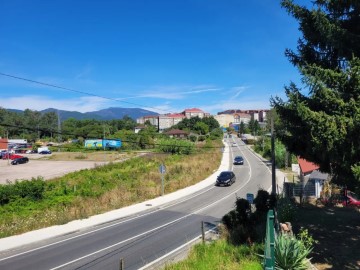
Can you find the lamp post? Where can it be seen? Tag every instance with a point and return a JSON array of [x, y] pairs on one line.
[[273, 175]]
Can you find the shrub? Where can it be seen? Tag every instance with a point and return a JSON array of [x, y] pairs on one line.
[[286, 210], [33, 189], [291, 253], [175, 146], [193, 138]]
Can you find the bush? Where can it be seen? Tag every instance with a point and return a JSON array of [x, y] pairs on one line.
[[192, 138], [286, 210], [175, 146], [33, 189], [291, 253]]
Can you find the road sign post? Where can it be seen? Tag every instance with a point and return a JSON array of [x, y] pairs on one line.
[[250, 198], [162, 170]]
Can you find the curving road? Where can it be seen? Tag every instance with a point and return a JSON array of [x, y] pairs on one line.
[[145, 237]]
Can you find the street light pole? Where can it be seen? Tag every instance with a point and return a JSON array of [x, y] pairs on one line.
[[273, 171]]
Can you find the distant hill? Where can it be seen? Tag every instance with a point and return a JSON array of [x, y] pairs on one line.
[[105, 114]]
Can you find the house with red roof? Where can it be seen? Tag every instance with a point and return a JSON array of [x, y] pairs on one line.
[[177, 133], [311, 177]]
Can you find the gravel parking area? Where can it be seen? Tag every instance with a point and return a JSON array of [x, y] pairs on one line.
[[46, 168]]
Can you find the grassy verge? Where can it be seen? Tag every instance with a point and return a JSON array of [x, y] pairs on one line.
[[220, 255], [85, 193]]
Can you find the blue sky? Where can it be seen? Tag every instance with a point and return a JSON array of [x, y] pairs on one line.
[[160, 55]]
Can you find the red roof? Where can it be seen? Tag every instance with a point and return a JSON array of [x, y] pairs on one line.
[[193, 110], [307, 166]]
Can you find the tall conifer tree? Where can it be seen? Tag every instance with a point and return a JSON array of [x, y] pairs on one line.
[[322, 121]]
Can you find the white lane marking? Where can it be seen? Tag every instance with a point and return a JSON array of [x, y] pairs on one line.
[[251, 151], [154, 229], [247, 161], [112, 225], [173, 251], [105, 227], [168, 254]]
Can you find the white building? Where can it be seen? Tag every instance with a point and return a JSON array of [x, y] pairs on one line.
[[165, 121]]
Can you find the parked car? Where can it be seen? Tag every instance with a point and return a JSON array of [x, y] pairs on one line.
[[351, 199], [225, 178], [11, 156], [238, 160], [20, 160], [45, 152]]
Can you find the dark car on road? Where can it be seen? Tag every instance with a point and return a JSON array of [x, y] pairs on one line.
[[45, 152], [20, 160], [226, 178], [238, 160]]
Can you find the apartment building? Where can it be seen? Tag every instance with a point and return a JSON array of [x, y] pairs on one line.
[[164, 121]]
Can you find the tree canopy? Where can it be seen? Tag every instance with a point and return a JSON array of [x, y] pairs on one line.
[[322, 121]]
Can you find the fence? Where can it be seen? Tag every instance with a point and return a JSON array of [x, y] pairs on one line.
[[291, 190], [269, 254]]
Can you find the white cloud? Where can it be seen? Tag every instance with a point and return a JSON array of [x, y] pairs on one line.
[[81, 104], [173, 92], [250, 103]]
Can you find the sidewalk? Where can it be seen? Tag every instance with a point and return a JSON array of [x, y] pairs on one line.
[[53, 231]]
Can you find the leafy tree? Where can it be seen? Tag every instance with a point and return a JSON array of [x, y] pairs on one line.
[[201, 128], [323, 125], [211, 122], [242, 128], [216, 133]]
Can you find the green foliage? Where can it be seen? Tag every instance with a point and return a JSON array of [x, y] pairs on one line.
[[198, 125], [175, 146], [216, 133], [245, 226], [323, 124], [264, 201], [33, 190], [286, 210], [201, 128], [193, 138], [220, 255], [290, 253]]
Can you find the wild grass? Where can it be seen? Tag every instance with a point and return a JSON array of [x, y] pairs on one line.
[[220, 255], [89, 192]]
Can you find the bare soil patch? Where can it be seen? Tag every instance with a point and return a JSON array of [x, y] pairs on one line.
[[57, 164], [337, 230]]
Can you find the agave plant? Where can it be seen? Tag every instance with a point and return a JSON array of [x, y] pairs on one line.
[[290, 253]]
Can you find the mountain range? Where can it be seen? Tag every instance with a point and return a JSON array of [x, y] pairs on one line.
[[104, 114]]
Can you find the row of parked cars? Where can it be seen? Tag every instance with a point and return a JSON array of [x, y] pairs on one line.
[[18, 159]]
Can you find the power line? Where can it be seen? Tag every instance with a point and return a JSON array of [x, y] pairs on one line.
[[78, 91]]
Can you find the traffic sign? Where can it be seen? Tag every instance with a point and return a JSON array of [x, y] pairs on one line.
[[162, 169], [250, 198]]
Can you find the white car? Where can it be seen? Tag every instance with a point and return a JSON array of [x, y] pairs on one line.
[[234, 144]]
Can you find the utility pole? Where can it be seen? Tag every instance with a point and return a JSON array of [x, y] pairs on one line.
[[273, 175], [8, 152], [59, 130], [104, 143]]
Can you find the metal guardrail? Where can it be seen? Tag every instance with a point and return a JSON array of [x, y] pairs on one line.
[[269, 254]]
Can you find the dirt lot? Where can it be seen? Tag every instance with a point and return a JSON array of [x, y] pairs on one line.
[[55, 165], [337, 230]]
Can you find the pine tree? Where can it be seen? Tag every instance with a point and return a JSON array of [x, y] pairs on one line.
[[323, 125]]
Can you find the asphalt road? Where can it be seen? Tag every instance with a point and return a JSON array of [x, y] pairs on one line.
[[142, 238]]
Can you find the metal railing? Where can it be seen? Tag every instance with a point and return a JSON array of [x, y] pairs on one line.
[[269, 254]]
